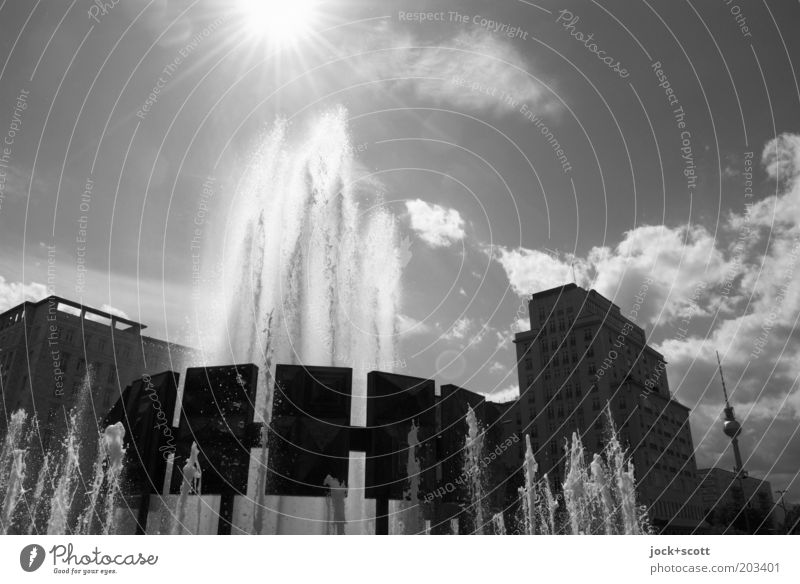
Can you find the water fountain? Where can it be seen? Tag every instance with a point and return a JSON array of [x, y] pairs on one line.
[[473, 457], [12, 468], [105, 483], [597, 499], [13, 489], [411, 509], [317, 256]]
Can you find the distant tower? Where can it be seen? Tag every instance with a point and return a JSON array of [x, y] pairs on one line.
[[732, 428]]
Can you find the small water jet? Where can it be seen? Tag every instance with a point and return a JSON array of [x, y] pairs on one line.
[[473, 459], [598, 498], [105, 482], [13, 490], [191, 477]]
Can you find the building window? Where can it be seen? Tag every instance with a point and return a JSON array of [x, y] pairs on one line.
[[592, 369], [529, 363], [590, 352], [112, 374], [596, 403], [541, 314], [587, 334]]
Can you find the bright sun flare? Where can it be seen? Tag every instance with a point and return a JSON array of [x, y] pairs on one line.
[[280, 21]]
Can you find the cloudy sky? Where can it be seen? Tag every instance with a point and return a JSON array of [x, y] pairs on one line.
[[519, 144]]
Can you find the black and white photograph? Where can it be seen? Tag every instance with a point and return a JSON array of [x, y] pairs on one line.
[[523, 268]]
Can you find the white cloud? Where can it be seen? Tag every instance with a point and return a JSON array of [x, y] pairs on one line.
[[474, 74], [530, 270], [14, 293], [496, 367], [781, 157], [676, 264], [459, 330], [759, 341], [746, 281], [470, 71], [408, 325], [436, 225], [506, 394]]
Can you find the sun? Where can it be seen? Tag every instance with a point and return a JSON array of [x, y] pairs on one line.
[[280, 22]]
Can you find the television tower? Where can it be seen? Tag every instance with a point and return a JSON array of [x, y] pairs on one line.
[[732, 427]]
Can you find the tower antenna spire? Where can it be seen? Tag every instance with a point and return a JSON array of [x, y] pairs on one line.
[[732, 427]]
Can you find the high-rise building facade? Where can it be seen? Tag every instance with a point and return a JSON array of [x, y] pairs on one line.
[[581, 358], [46, 348]]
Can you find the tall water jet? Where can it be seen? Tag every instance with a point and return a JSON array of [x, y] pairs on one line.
[[538, 504], [12, 442], [266, 418], [14, 490], [105, 482], [307, 267], [312, 266], [473, 457], [64, 493], [528, 492], [39, 504]]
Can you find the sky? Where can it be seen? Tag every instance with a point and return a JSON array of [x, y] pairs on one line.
[[520, 145]]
